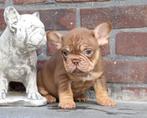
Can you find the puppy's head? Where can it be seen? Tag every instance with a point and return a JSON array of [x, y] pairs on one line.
[[80, 47]]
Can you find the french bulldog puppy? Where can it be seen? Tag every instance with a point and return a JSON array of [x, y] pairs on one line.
[[76, 67]]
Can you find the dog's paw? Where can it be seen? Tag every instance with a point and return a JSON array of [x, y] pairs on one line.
[[3, 94], [34, 95], [106, 102], [81, 98], [67, 105], [50, 99]]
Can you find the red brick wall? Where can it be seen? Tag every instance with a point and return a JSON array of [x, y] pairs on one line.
[[125, 58]]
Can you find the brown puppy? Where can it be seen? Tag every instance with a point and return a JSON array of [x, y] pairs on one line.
[[76, 67]]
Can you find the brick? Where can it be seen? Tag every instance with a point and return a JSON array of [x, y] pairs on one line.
[[2, 1], [128, 92], [102, 0], [63, 0], [28, 1], [121, 17], [105, 50], [2, 22], [126, 71], [131, 43], [75, 0], [27, 12], [90, 18], [59, 19], [81, 0]]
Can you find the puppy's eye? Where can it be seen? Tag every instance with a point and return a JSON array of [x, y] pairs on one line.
[[65, 52], [88, 52]]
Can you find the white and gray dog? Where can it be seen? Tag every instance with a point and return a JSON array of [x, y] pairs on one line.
[[23, 35]]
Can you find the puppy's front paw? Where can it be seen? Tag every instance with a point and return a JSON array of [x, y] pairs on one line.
[[67, 105], [34, 95], [106, 102]]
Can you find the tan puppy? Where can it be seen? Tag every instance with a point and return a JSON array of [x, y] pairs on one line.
[[76, 67]]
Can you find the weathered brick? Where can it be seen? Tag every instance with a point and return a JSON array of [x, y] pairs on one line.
[[126, 71], [2, 22], [28, 1], [27, 12], [75, 1], [90, 18], [63, 0], [128, 92], [81, 0], [59, 19], [102, 0], [2, 1], [105, 50], [121, 17], [131, 43]]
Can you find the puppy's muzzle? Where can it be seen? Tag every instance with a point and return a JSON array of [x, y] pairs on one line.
[[75, 61]]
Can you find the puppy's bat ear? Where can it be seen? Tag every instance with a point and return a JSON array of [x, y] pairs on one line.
[[101, 33], [55, 39]]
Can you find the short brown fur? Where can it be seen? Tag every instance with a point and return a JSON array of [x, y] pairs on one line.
[[60, 78]]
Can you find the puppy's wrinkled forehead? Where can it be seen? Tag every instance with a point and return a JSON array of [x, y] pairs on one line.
[[80, 38]]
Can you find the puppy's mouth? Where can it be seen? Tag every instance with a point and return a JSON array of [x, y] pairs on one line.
[[78, 72]]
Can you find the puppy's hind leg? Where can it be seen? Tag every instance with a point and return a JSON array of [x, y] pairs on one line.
[[43, 91], [80, 98], [49, 97]]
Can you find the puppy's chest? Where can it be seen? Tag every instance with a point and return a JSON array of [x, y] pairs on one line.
[[81, 86], [84, 83]]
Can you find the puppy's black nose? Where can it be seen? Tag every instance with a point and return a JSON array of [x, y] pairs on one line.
[[75, 61]]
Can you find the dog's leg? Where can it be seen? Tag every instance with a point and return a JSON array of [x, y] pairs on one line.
[[50, 98], [43, 91], [66, 100], [102, 97], [3, 86], [31, 84], [80, 98]]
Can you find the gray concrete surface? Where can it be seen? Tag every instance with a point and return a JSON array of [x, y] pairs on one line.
[[83, 110]]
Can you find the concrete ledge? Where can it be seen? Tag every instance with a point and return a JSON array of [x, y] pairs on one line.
[[84, 110]]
